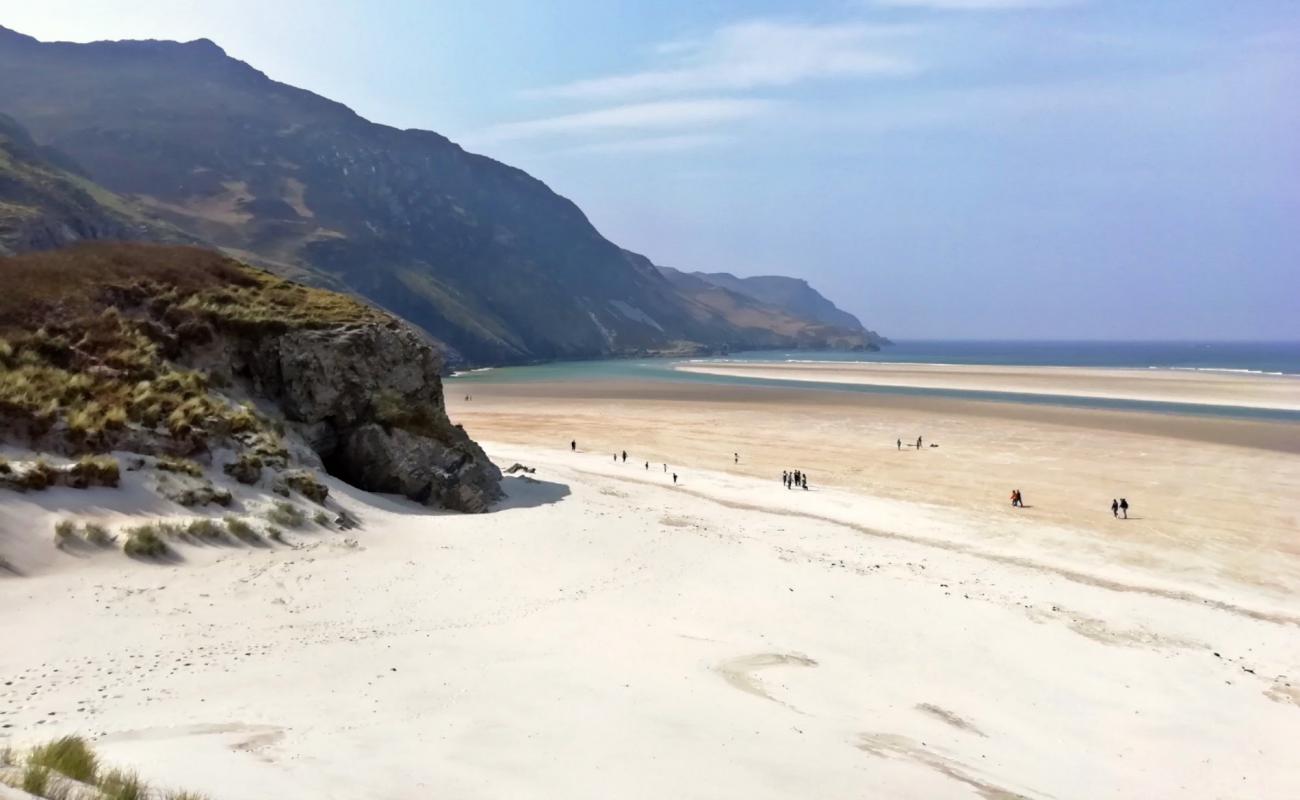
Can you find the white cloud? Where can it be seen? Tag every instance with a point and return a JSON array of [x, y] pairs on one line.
[[976, 5], [664, 115], [753, 55], [654, 144]]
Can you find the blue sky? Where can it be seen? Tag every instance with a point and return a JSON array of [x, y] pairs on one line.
[[942, 168]]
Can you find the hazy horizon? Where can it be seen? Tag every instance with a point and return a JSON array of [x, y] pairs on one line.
[[974, 170]]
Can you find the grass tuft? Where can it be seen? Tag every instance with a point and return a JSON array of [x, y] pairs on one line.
[[183, 466], [122, 785], [286, 515], [69, 756], [65, 532], [97, 534], [36, 780], [145, 541], [206, 530], [241, 530]]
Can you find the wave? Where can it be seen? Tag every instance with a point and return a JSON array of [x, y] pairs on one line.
[[1224, 369], [836, 362]]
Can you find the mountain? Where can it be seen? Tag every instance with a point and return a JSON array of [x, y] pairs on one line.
[[483, 256], [792, 295], [768, 325]]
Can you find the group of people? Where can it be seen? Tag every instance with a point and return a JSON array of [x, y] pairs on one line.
[[622, 456], [794, 480], [1016, 499], [1119, 506], [918, 443]]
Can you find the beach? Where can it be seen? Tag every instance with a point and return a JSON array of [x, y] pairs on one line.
[[898, 630]]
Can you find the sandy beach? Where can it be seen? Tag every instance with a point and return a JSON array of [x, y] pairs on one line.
[[896, 631], [1202, 387]]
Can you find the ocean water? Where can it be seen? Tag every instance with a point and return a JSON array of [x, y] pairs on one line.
[[1271, 358]]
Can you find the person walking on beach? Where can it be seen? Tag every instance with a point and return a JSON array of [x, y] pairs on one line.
[[918, 443], [624, 456], [805, 481], [1123, 507], [647, 466], [1114, 508], [900, 444], [573, 446], [674, 479], [785, 479]]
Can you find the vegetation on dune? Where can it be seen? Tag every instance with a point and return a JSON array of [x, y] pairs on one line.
[[68, 756], [286, 515], [145, 541], [183, 466], [68, 768], [123, 785], [241, 530], [97, 534], [88, 336], [206, 530]]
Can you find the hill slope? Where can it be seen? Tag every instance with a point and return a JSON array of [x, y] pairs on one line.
[[792, 295], [480, 254], [46, 203], [764, 324]]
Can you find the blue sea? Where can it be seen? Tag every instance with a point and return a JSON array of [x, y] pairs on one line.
[[1265, 358]]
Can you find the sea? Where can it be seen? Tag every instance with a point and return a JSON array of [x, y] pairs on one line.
[[1263, 358]]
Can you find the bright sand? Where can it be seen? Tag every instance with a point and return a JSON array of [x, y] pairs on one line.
[[897, 631]]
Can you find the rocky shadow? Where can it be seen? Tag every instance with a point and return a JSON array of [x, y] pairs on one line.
[[524, 492]]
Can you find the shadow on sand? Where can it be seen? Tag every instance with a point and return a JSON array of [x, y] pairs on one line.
[[525, 492]]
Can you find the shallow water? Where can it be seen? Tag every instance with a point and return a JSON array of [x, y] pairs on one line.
[[1268, 358]]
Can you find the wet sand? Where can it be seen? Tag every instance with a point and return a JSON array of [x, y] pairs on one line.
[[1214, 492]]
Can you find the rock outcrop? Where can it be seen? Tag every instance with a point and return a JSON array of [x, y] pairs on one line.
[[368, 399]]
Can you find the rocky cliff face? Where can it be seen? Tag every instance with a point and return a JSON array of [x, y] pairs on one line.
[[149, 349]]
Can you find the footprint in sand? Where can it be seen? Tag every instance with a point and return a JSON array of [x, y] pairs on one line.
[[739, 672], [892, 745]]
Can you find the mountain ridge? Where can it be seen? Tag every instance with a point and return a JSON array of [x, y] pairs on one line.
[[486, 258]]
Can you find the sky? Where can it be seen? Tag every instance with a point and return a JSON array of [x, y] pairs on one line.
[[979, 169]]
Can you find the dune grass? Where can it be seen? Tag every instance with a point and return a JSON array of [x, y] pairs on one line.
[[97, 534], [35, 780], [241, 530], [286, 515], [69, 756], [67, 767], [184, 466], [122, 785], [321, 518], [145, 541], [65, 532], [205, 530]]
